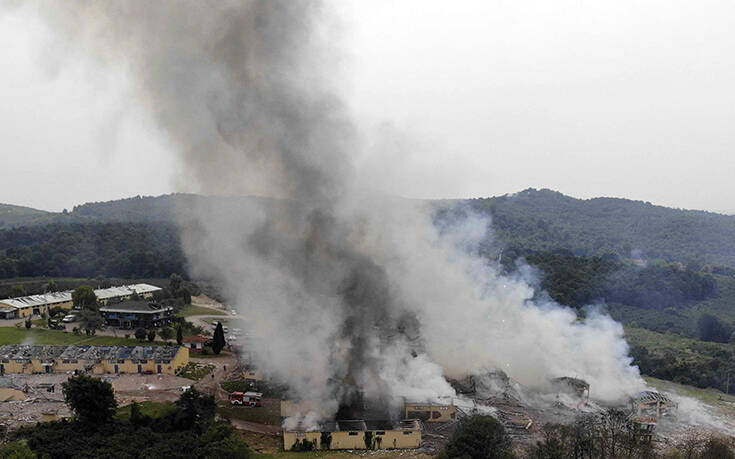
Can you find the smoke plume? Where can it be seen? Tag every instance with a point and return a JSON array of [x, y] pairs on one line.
[[348, 293]]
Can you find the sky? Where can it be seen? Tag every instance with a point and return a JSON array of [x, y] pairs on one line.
[[452, 99]]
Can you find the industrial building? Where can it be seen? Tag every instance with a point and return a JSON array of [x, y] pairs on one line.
[[27, 359], [26, 306], [137, 314], [356, 434]]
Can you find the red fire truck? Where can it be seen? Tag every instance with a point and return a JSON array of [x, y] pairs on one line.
[[246, 398]]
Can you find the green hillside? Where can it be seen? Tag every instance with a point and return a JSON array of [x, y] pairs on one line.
[[11, 215], [544, 220]]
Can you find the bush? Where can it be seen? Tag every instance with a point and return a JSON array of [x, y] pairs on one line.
[[479, 437], [140, 334]]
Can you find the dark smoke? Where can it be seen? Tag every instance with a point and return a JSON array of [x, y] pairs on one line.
[[334, 283]]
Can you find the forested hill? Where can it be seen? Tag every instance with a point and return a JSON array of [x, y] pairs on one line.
[[545, 220], [529, 221]]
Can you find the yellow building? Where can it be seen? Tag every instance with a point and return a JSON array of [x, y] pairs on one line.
[[357, 435], [430, 412], [27, 359], [25, 306]]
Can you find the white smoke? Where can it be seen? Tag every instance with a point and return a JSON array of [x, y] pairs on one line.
[[344, 291]]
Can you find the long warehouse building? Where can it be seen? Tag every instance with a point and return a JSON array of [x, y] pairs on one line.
[[26, 306], [30, 359]]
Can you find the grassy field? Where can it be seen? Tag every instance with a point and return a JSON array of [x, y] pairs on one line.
[[14, 335], [269, 413], [191, 310], [152, 409]]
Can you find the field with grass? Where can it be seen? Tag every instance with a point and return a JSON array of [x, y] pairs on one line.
[[269, 413], [191, 310], [21, 335]]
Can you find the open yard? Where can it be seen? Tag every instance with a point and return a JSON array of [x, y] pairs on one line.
[[269, 413], [21, 335], [191, 310]]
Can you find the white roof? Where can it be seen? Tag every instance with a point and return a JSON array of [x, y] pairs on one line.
[[38, 300], [63, 297], [124, 290]]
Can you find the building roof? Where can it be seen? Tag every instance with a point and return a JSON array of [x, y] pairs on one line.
[[125, 290], [29, 352], [38, 300], [143, 307], [65, 296]]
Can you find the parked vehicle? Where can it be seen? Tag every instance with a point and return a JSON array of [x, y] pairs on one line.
[[250, 399], [69, 318]]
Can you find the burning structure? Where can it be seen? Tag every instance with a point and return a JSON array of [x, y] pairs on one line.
[[354, 287]]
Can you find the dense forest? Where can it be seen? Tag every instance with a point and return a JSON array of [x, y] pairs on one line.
[[91, 249], [579, 281]]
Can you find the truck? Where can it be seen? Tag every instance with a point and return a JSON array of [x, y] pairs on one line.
[[250, 399]]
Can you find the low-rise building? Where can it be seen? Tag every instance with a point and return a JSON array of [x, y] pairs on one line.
[[126, 292], [137, 314], [357, 434], [196, 343], [27, 359], [26, 306]]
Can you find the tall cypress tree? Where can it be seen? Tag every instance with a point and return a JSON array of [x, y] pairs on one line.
[[179, 335], [218, 341]]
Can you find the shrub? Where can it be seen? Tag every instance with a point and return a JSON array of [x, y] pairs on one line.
[[479, 437]]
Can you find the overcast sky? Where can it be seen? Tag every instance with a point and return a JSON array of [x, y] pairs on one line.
[[454, 99]]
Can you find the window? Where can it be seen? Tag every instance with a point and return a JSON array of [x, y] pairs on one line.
[[6, 360], [407, 432], [120, 361], [353, 434], [143, 361], [380, 433]]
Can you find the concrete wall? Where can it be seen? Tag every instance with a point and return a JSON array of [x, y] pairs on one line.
[[381, 439]]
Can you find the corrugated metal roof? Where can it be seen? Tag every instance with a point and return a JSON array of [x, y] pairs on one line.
[[63, 297]]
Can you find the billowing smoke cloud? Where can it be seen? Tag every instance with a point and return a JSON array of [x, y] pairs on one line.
[[348, 293]]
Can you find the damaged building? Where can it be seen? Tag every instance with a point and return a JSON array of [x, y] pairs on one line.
[[355, 434], [27, 359], [430, 412], [649, 404]]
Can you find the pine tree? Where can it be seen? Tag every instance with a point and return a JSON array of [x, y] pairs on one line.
[[218, 342], [179, 335]]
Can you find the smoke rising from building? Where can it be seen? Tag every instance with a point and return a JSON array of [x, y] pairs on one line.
[[348, 293]]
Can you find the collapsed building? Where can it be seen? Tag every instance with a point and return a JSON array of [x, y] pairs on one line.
[[430, 412], [572, 386], [649, 405], [28, 359]]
